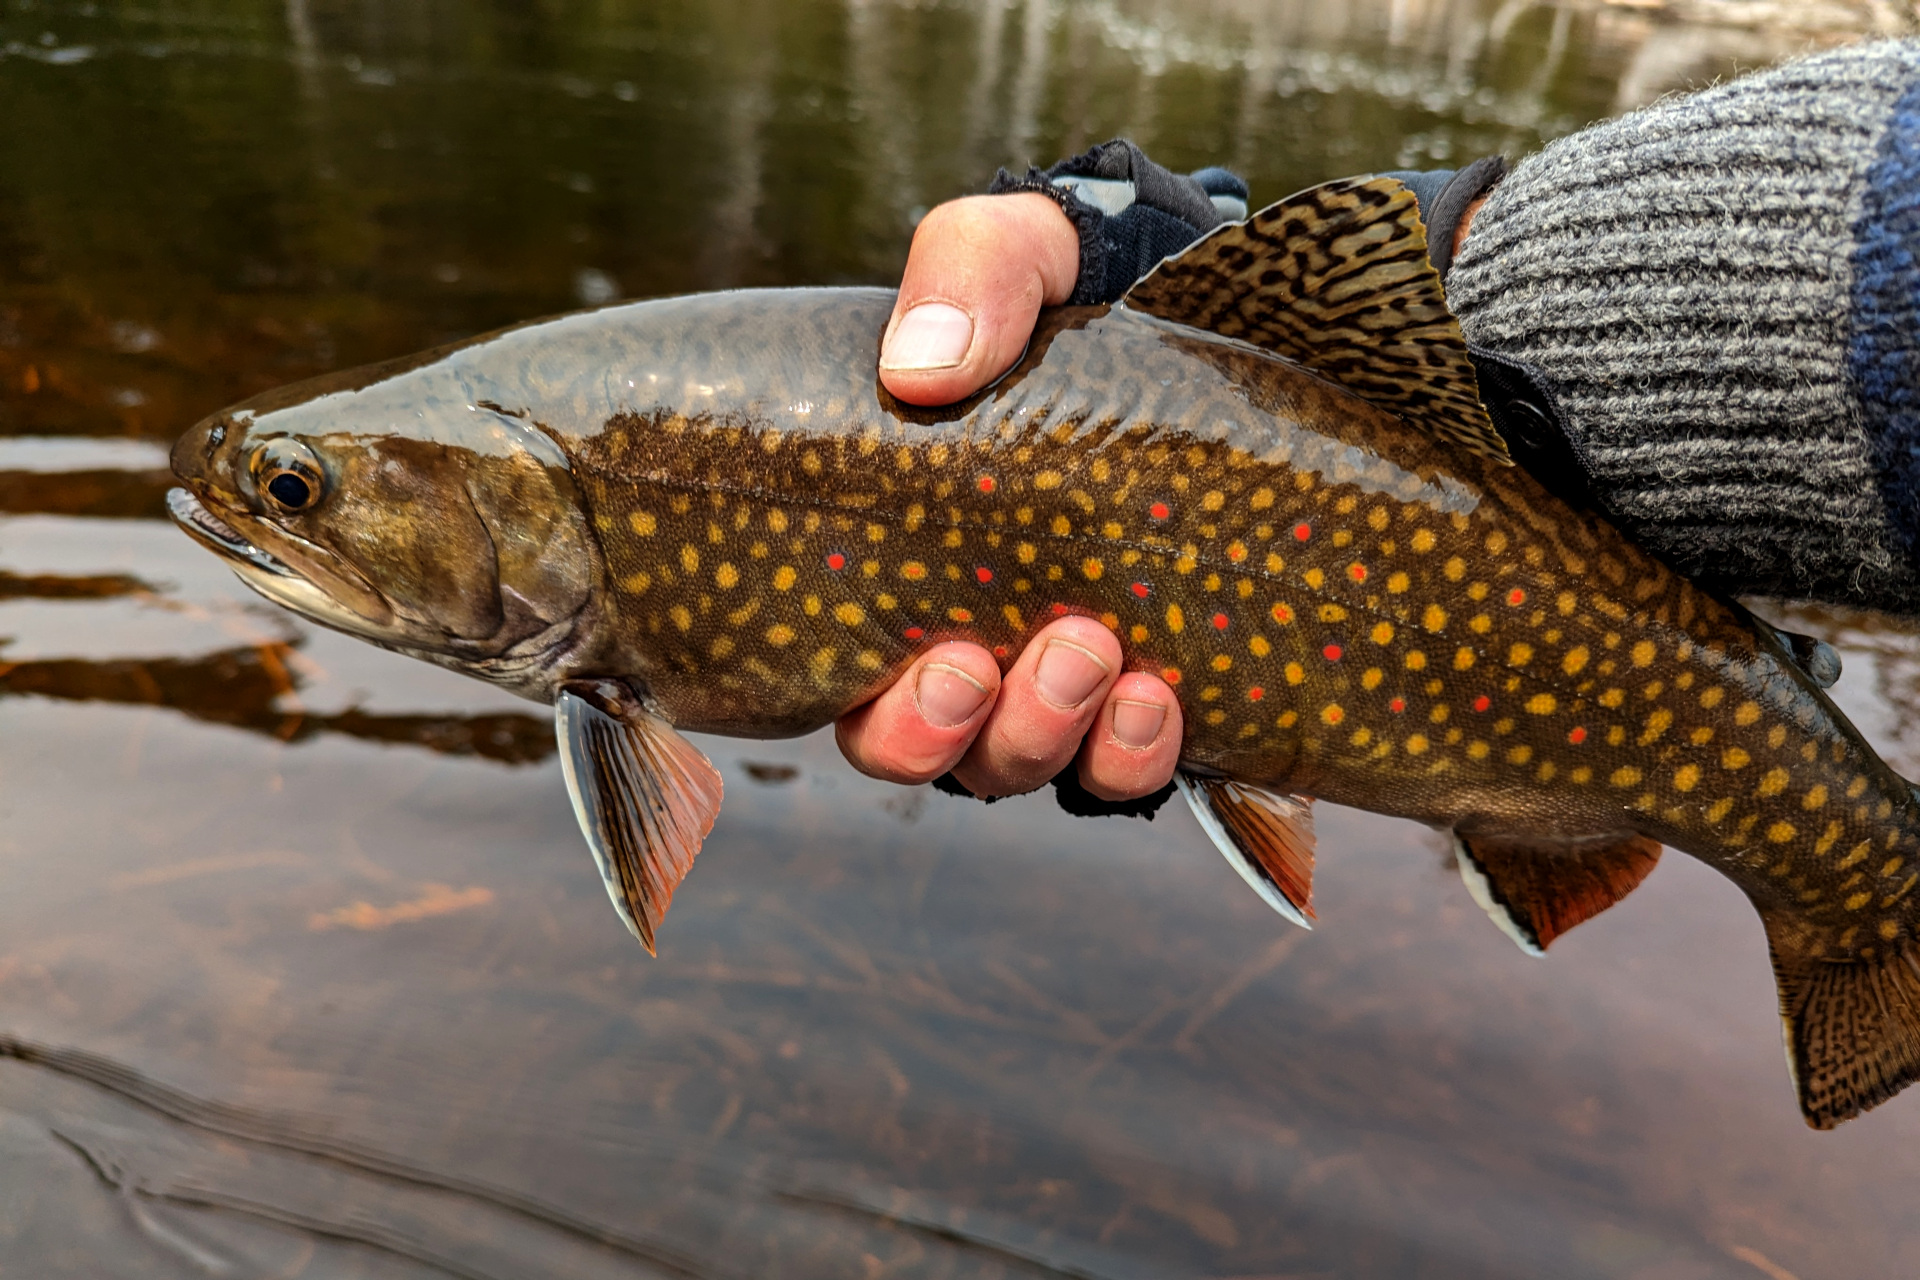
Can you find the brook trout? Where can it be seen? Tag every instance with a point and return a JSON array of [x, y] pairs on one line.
[[1268, 471]]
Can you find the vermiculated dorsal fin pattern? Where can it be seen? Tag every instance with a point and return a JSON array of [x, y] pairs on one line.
[[1336, 278]]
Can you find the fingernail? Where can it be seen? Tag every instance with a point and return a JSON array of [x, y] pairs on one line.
[[931, 336], [1067, 673], [947, 696], [1137, 724]]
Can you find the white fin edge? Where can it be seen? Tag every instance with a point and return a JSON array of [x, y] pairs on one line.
[[1216, 832], [1482, 893]]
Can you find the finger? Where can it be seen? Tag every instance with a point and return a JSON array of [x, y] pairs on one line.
[[919, 727], [977, 275], [1135, 744], [1047, 702]]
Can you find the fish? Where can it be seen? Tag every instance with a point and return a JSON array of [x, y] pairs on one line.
[[1267, 469]]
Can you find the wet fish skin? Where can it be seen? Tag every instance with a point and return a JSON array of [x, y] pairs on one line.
[[727, 513]]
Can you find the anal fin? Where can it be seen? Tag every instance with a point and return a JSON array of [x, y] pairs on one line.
[[644, 795], [1852, 1026], [1266, 836], [1536, 888]]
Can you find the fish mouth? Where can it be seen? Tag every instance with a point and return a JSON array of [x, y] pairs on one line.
[[220, 537], [314, 584]]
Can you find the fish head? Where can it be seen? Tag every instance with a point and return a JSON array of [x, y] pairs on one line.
[[444, 529]]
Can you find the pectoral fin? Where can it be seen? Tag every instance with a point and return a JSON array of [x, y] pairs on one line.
[[1536, 888], [1267, 836], [644, 795]]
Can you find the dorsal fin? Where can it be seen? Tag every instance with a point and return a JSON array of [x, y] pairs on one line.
[[1336, 278]]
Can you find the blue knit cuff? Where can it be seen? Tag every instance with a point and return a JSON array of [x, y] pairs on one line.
[[1882, 356]]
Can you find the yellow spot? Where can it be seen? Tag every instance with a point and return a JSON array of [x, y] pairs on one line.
[[1566, 602], [1657, 723], [1332, 613], [1719, 809], [1370, 679], [959, 614], [851, 614], [1287, 719], [681, 618], [1496, 542], [740, 616], [1746, 713], [1625, 776], [1773, 782], [1481, 623], [1575, 660], [1542, 704], [1259, 647], [1462, 658], [821, 662], [1221, 662], [642, 522], [1814, 799], [1295, 673], [1092, 567], [1778, 735], [1361, 737], [637, 582], [1711, 698], [1176, 620], [1262, 499], [1702, 736], [777, 520], [784, 577], [1734, 758], [1889, 930], [1332, 714], [1062, 526], [722, 647], [1397, 583], [1857, 787], [953, 538], [1892, 865], [1439, 713], [1858, 901], [810, 462], [1213, 500], [1612, 697], [1315, 578], [876, 533], [1417, 744], [1520, 655], [812, 605], [1434, 618], [1642, 653], [1382, 633], [1455, 569], [1047, 480], [726, 576], [1139, 633], [1422, 540], [1519, 755], [1416, 660], [1012, 614], [689, 558], [1686, 777], [1478, 750]]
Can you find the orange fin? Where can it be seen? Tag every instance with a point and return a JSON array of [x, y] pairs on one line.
[[644, 795], [1536, 889], [1336, 278], [1852, 1026], [1268, 837]]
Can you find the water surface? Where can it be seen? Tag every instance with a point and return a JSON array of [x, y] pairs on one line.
[[303, 968]]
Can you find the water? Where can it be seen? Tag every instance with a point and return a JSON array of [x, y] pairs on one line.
[[303, 968]]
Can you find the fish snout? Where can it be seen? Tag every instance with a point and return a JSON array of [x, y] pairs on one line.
[[202, 457]]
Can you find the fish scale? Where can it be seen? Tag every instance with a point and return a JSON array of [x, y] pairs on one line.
[[1267, 473]]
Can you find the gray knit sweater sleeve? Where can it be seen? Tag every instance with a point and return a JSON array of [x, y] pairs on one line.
[[1721, 291]]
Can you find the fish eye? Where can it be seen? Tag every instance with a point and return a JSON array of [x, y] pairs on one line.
[[288, 473]]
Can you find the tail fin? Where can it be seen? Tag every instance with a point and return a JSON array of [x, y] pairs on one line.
[[1852, 1027]]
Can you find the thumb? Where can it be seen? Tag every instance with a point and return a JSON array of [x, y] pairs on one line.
[[977, 275]]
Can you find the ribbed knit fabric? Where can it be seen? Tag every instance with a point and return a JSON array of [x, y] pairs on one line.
[[1722, 291]]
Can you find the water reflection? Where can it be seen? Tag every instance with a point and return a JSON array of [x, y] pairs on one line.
[[278, 998]]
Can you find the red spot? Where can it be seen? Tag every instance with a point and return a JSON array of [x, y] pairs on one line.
[[836, 562], [1332, 653], [1282, 614], [1577, 735], [1159, 511], [983, 574], [914, 633], [1256, 693], [1397, 705], [1358, 572], [999, 651], [1140, 590], [1170, 674], [1482, 702], [985, 483], [1516, 596], [1301, 532], [1220, 622], [1059, 611]]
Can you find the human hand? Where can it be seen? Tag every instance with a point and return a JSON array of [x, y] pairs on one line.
[[979, 271]]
